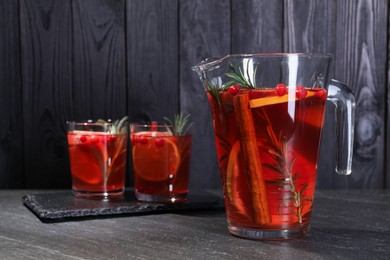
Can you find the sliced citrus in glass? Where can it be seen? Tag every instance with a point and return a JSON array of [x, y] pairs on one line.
[[233, 180], [154, 162], [86, 158], [272, 100]]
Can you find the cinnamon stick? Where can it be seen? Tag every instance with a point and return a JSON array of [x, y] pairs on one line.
[[252, 163]]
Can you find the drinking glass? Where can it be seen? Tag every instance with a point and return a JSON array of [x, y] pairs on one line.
[[98, 152], [161, 162]]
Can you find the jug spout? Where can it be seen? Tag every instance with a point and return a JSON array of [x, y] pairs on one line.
[[206, 64]]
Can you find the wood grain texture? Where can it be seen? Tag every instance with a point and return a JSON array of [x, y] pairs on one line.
[[99, 68], [11, 120], [257, 26], [351, 224], [152, 48], [361, 62], [310, 27], [387, 166], [46, 74], [78, 59], [204, 32], [152, 61], [352, 32]]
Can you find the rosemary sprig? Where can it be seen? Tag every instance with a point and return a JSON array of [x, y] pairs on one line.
[[117, 126], [239, 78], [108, 160], [213, 90], [180, 125], [284, 166]]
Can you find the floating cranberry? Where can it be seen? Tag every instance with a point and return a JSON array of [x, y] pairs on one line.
[[301, 92], [143, 139], [134, 139], [321, 93], [159, 142], [233, 90], [94, 139], [83, 138], [281, 89], [111, 138]]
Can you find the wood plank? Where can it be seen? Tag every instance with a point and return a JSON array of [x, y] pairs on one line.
[[352, 31], [310, 27], [152, 61], [152, 47], [257, 26], [361, 63], [11, 123], [387, 163], [99, 86], [46, 79], [204, 32]]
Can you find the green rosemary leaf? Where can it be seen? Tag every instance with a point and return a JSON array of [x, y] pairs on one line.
[[227, 84], [237, 78], [254, 76], [119, 125], [275, 168], [116, 127], [231, 66], [180, 125], [276, 183], [213, 90]]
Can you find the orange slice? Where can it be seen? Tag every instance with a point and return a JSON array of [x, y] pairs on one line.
[[233, 183], [265, 101], [230, 169], [153, 162]]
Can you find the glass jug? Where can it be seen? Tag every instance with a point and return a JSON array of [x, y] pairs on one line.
[[268, 113]]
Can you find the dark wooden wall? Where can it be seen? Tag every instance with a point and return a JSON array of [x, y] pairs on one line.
[[78, 59]]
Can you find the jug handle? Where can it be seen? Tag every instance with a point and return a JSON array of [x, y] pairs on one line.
[[344, 101]]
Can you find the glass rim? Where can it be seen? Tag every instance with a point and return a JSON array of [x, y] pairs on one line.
[[158, 128], [151, 125], [91, 122], [211, 61]]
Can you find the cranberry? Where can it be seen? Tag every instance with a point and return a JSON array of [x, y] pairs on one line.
[[83, 138], [134, 139], [94, 139], [143, 139], [111, 138], [233, 90], [320, 93], [301, 92], [281, 89], [159, 142]]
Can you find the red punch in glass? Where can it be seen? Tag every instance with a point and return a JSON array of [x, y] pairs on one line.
[[268, 114], [98, 152]]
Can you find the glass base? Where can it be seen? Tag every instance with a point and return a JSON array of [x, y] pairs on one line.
[[171, 198], [101, 195], [268, 234]]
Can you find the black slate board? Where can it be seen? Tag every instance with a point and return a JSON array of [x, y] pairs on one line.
[[64, 206]]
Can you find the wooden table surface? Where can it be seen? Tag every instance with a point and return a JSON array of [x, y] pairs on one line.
[[352, 224]]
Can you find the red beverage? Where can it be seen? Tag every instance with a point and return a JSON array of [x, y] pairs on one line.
[[161, 164], [98, 162], [268, 111], [287, 128]]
